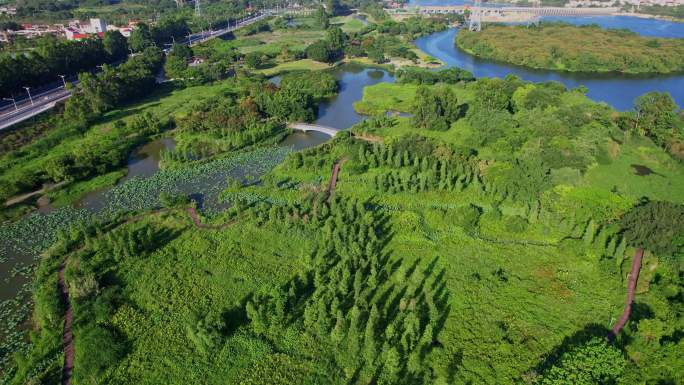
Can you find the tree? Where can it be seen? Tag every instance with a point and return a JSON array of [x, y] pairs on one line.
[[115, 45], [657, 226], [337, 40], [253, 60], [656, 117], [175, 67], [141, 38], [319, 51], [595, 362], [376, 55], [321, 17]]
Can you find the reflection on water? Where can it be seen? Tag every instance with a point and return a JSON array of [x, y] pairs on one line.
[[145, 161], [339, 111], [299, 140]]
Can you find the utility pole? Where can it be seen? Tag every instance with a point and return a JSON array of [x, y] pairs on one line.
[[475, 19], [198, 9], [28, 90], [13, 101], [535, 19]]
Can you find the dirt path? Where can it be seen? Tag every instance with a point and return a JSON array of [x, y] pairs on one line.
[[67, 336], [20, 198], [333, 177], [631, 287]]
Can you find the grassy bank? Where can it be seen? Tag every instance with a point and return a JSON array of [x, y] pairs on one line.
[[571, 48]]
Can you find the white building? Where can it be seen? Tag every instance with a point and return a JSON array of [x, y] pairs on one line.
[[97, 26]]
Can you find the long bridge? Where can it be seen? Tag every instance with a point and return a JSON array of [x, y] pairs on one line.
[[305, 127], [537, 11]]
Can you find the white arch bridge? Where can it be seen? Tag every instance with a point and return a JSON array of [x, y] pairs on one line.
[[305, 127]]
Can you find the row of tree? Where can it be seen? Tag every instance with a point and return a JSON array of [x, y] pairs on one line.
[[97, 93], [53, 57], [374, 324]]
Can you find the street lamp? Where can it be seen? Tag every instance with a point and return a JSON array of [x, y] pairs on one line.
[[13, 101], [63, 81], [29, 94]]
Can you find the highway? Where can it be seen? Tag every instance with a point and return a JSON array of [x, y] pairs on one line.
[[46, 97]]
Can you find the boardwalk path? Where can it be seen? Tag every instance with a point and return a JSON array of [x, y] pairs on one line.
[[67, 337], [631, 287]]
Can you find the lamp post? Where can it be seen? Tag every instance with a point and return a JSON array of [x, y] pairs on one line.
[[28, 90], [63, 81], [13, 101]]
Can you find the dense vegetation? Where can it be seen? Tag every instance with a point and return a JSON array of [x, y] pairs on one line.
[[575, 48], [485, 244], [378, 42], [484, 236], [53, 57]]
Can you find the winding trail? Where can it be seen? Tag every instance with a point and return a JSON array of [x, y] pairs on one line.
[[333, 177], [631, 287], [67, 336]]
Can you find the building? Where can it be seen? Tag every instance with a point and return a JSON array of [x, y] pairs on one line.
[[97, 26], [5, 10]]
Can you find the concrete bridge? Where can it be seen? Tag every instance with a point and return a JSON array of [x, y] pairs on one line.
[[542, 11], [305, 127]]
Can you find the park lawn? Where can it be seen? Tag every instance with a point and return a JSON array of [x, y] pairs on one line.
[[347, 23], [272, 43], [665, 183], [222, 46], [383, 97], [290, 66], [77, 190]]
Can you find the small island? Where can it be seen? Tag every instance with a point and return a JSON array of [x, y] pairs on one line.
[[565, 47]]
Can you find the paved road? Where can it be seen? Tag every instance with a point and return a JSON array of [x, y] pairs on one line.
[[46, 97]]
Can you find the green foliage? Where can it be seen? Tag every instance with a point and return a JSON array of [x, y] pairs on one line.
[[417, 75], [319, 51], [656, 117], [322, 18], [566, 47], [377, 340], [96, 94], [97, 348], [50, 58], [595, 362], [656, 226], [254, 59], [436, 109], [320, 85]]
